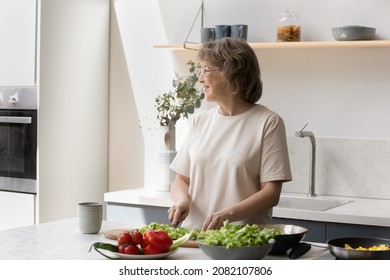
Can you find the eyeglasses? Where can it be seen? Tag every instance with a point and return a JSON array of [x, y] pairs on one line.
[[204, 71]]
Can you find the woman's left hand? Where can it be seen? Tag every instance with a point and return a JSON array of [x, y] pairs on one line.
[[215, 220], [266, 198]]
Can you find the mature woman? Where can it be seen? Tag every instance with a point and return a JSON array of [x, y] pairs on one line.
[[234, 160]]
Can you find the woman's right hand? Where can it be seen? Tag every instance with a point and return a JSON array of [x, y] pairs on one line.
[[177, 213], [179, 191]]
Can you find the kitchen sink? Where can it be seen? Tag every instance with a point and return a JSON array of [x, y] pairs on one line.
[[310, 203]]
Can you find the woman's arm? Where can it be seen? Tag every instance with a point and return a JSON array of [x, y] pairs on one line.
[[266, 198], [181, 207]]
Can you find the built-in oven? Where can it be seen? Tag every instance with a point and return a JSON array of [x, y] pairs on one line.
[[18, 139]]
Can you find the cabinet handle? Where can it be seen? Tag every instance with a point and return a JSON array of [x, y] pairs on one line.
[[23, 120]]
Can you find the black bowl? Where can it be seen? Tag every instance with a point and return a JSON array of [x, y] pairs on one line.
[[290, 236], [337, 248]]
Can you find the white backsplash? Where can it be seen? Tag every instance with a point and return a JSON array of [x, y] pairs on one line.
[[344, 167]]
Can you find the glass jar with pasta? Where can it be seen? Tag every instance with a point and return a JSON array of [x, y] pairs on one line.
[[289, 28]]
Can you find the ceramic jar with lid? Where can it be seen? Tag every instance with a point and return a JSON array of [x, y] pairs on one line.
[[289, 28]]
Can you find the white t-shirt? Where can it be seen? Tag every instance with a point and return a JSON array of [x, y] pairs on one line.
[[227, 157]]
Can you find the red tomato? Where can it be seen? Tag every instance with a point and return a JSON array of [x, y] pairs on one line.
[[124, 238], [137, 237], [152, 250], [121, 248], [131, 250], [158, 238]]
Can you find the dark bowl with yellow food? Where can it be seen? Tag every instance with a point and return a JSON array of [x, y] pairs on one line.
[[360, 248]]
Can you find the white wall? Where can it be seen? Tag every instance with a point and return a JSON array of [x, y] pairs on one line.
[[73, 105], [150, 72], [126, 142], [342, 93], [317, 17]]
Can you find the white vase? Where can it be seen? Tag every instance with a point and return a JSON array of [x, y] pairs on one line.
[[165, 155]]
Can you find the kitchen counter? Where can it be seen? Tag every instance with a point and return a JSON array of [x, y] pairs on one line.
[[62, 240], [360, 211]]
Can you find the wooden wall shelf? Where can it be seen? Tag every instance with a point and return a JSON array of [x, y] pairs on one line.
[[295, 45]]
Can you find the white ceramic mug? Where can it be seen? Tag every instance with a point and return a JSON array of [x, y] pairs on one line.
[[90, 216]]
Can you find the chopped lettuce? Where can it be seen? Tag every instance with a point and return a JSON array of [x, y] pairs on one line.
[[232, 235]]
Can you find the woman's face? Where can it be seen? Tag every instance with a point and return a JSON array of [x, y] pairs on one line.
[[214, 86]]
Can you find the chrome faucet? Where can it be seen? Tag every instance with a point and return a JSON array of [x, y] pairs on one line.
[[312, 171]]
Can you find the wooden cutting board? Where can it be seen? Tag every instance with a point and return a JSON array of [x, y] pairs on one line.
[[113, 235]]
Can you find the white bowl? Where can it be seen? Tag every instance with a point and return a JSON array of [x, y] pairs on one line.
[[353, 33], [239, 253]]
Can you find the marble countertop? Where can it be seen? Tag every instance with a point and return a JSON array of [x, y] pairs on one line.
[[363, 211], [62, 240], [360, 211]]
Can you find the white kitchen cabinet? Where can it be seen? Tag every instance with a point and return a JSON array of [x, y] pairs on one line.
[[136, 214], [16, 210], [18, 42]]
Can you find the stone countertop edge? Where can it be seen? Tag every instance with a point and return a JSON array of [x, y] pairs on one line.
[[62, 240], [361, 211]]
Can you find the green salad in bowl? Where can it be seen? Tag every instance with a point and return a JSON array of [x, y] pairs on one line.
[[233, 241]]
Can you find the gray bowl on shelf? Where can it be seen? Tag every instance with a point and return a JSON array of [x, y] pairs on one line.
[[353, 33]]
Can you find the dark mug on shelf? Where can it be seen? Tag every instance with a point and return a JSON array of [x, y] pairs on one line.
[[222, 31], [207, 34], [239, 31]]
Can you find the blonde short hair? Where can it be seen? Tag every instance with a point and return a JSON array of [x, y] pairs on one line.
[[238, 65]]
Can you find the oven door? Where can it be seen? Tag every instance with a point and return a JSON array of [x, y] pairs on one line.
[[18, 150]]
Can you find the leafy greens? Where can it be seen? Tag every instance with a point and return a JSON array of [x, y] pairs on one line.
[[232, 235]]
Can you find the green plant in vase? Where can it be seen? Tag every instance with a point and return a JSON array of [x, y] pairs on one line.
[[182, 99]]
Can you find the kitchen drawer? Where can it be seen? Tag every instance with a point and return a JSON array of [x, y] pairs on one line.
[[16, 210], [324, 231], [336, 230]]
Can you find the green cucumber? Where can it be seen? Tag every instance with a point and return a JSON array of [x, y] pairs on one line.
[[105, 246]]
